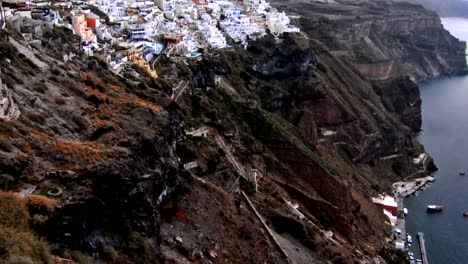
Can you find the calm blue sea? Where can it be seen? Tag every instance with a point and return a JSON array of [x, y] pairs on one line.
[[445, 137]]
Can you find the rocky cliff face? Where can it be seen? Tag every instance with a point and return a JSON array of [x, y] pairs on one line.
[[298, 124], [315, 126], [384, 39], [90, 141]]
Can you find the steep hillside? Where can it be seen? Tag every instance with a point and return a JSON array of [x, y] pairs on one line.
[[120, 170], [101, 146]]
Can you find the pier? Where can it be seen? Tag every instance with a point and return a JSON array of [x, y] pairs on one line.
[[422, 247]]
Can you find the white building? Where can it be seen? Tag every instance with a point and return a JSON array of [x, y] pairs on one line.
[[103, 33], [164, 5], [278, 23], [213, 36]]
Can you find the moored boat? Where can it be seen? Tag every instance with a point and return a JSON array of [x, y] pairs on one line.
[[409, 239], [465, 214], [462, 173], [435, 208]]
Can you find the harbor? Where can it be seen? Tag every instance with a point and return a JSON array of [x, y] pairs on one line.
[[402, 239], [402, 190], [394, 208]]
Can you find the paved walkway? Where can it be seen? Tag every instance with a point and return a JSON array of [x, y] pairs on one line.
[[423, 170], [400, 224], [219, 140], [179, 90]]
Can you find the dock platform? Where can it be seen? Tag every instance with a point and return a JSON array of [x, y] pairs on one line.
[[422, 247]]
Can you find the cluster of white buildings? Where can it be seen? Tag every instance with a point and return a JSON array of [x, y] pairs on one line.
[[184, 28], [201, 23]]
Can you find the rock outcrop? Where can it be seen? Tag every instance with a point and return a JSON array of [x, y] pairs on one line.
[[401, 96], [8, 108]]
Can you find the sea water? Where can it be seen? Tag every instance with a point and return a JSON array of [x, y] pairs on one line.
[[445, 137]]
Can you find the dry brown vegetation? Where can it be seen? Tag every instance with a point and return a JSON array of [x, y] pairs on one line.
[[18, 243], [75, 153], [91, 84]]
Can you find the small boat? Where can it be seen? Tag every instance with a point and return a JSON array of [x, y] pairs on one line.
[[435, 208], [465, 214], [461, 173], [409, 239]]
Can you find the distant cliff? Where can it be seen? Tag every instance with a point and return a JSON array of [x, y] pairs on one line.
[[446, 8], [386, 39]]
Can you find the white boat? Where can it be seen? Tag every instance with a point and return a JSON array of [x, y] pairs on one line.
[[435, 208]]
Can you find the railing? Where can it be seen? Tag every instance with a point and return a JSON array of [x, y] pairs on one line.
[[2, 18]]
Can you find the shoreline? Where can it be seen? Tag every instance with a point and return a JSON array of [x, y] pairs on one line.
[[404, 189]]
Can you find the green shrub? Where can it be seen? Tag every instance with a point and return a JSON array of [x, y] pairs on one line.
[[55, 71], [311, 233], [36, 117], [100, 87], [5, 145], [139, 249], [77, 89], [110, 254], [212, 164], [247, 186], [19, 260], [393, 256], [186, 151], [80, 122], [40, 87], [90, 83], [81, 258], [397, 168]]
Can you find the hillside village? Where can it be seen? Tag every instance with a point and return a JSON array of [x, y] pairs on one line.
[[134, 31]]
